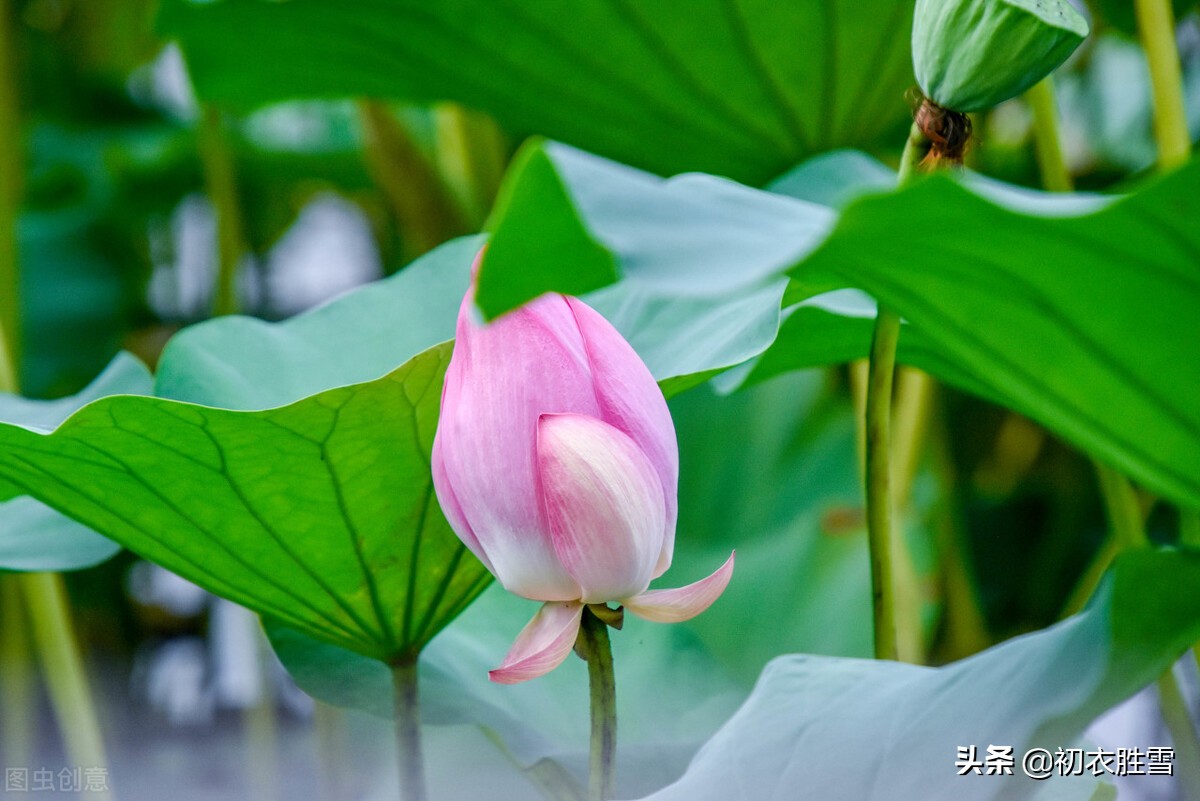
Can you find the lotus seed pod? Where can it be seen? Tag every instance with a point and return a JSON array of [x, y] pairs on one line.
[[970, 55]]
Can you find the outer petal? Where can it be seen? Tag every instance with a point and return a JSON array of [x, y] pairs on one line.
[[501, 377], [542, 645], [630, 400], [604, 502], [675, 606], [451, 507]]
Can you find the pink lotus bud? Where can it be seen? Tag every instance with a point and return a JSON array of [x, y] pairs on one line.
[[556, 463]]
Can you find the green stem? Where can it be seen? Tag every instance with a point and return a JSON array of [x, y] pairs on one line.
[[331, 753], [411, 762], [221, 183], [8, 372], [912, 410], [11, 180], [879, 490], [1047, 145], [1183, 733], [17, 721], [1086, 586], [260, 728], [421, 205], [1124, 511], [880, 375], [597, 650], [1129, 532], [964, 627], [472, 154], [1156, 25], [62, 668]]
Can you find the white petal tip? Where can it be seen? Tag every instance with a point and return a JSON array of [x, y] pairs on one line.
[[542, 645], [684, 603]]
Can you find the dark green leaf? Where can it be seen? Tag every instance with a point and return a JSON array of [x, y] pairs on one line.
[[737, 87]]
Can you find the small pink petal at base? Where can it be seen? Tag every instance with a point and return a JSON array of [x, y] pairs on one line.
[[676, 606], [542, 645]]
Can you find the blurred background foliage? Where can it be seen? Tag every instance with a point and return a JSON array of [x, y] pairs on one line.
[[143, 210]]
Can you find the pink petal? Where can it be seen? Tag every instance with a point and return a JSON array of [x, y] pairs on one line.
[[631, 401], [451, 508], [604, 502], [500, 379], [542, 645], [675, 606]]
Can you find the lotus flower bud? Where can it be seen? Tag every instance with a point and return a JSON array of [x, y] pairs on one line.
[[970, 55], [555, 462]]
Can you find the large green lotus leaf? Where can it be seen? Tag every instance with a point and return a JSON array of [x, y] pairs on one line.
[[737, 87], [1080, 321], [320, 514], [32, 535], [868, 730]]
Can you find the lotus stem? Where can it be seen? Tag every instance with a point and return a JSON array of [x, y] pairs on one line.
[[879, 486], [1156, 26], [421, 205], [411, 761], [597, 650], [260, 726], [11, 180], [880, 376], [328, 733], [1055, 175], [62, 667], [1129, 532], [471, 154], [17, 721], [221, 183]]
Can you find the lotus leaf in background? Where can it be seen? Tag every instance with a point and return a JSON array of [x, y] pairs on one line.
[[33, 536], [736, 87], [244, 363], [816, 722], [1077, 320]]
